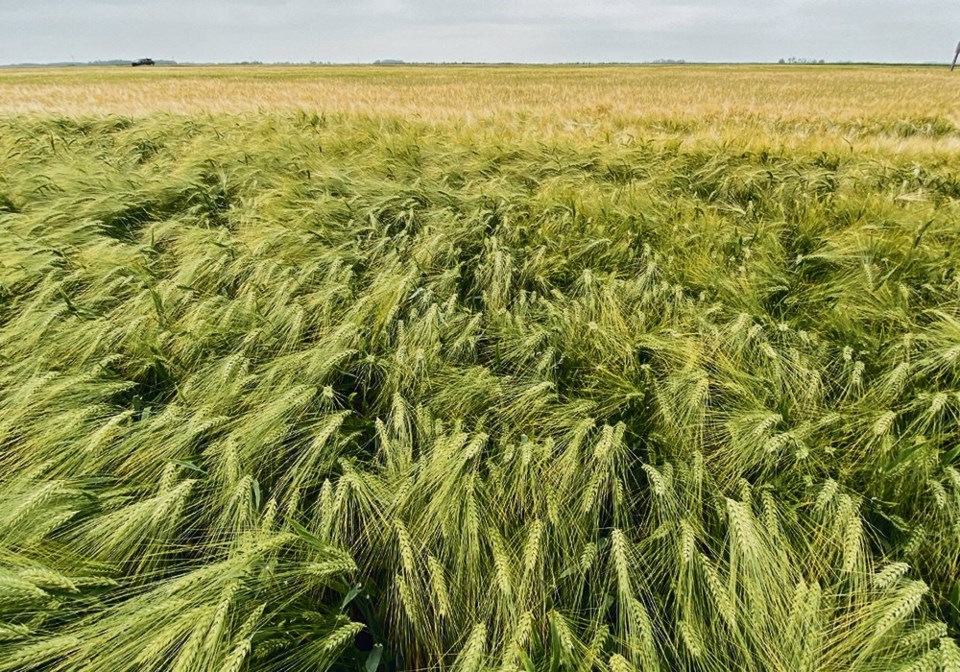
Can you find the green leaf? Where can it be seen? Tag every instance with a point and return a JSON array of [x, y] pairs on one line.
[[256, 494], [157, 303], [954, 596], [350, 596], [373, 660], [951, 456], [307, 536], [188, 465], [525, 660]]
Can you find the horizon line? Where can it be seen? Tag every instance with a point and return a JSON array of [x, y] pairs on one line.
[[387, 62]]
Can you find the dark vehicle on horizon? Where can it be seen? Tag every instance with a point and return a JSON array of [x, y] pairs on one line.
[[143, 61]]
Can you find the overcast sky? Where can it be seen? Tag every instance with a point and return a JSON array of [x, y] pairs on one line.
[[487, 30]]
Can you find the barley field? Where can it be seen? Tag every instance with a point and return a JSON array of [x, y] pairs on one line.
[[480, 368]]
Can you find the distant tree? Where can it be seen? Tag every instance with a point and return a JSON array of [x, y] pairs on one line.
[[802, 61]]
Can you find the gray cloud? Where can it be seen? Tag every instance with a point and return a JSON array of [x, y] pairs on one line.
[[492, 30]]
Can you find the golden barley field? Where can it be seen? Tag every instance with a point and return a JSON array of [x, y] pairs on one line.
[[875, 104], [560, 368]]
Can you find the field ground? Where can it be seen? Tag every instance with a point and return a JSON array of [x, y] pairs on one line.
[[475, 368]]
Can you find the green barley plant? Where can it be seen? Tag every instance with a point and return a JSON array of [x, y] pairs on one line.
[[364, 391]]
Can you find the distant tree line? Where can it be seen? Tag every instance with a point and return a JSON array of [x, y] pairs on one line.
[[802, 61]]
